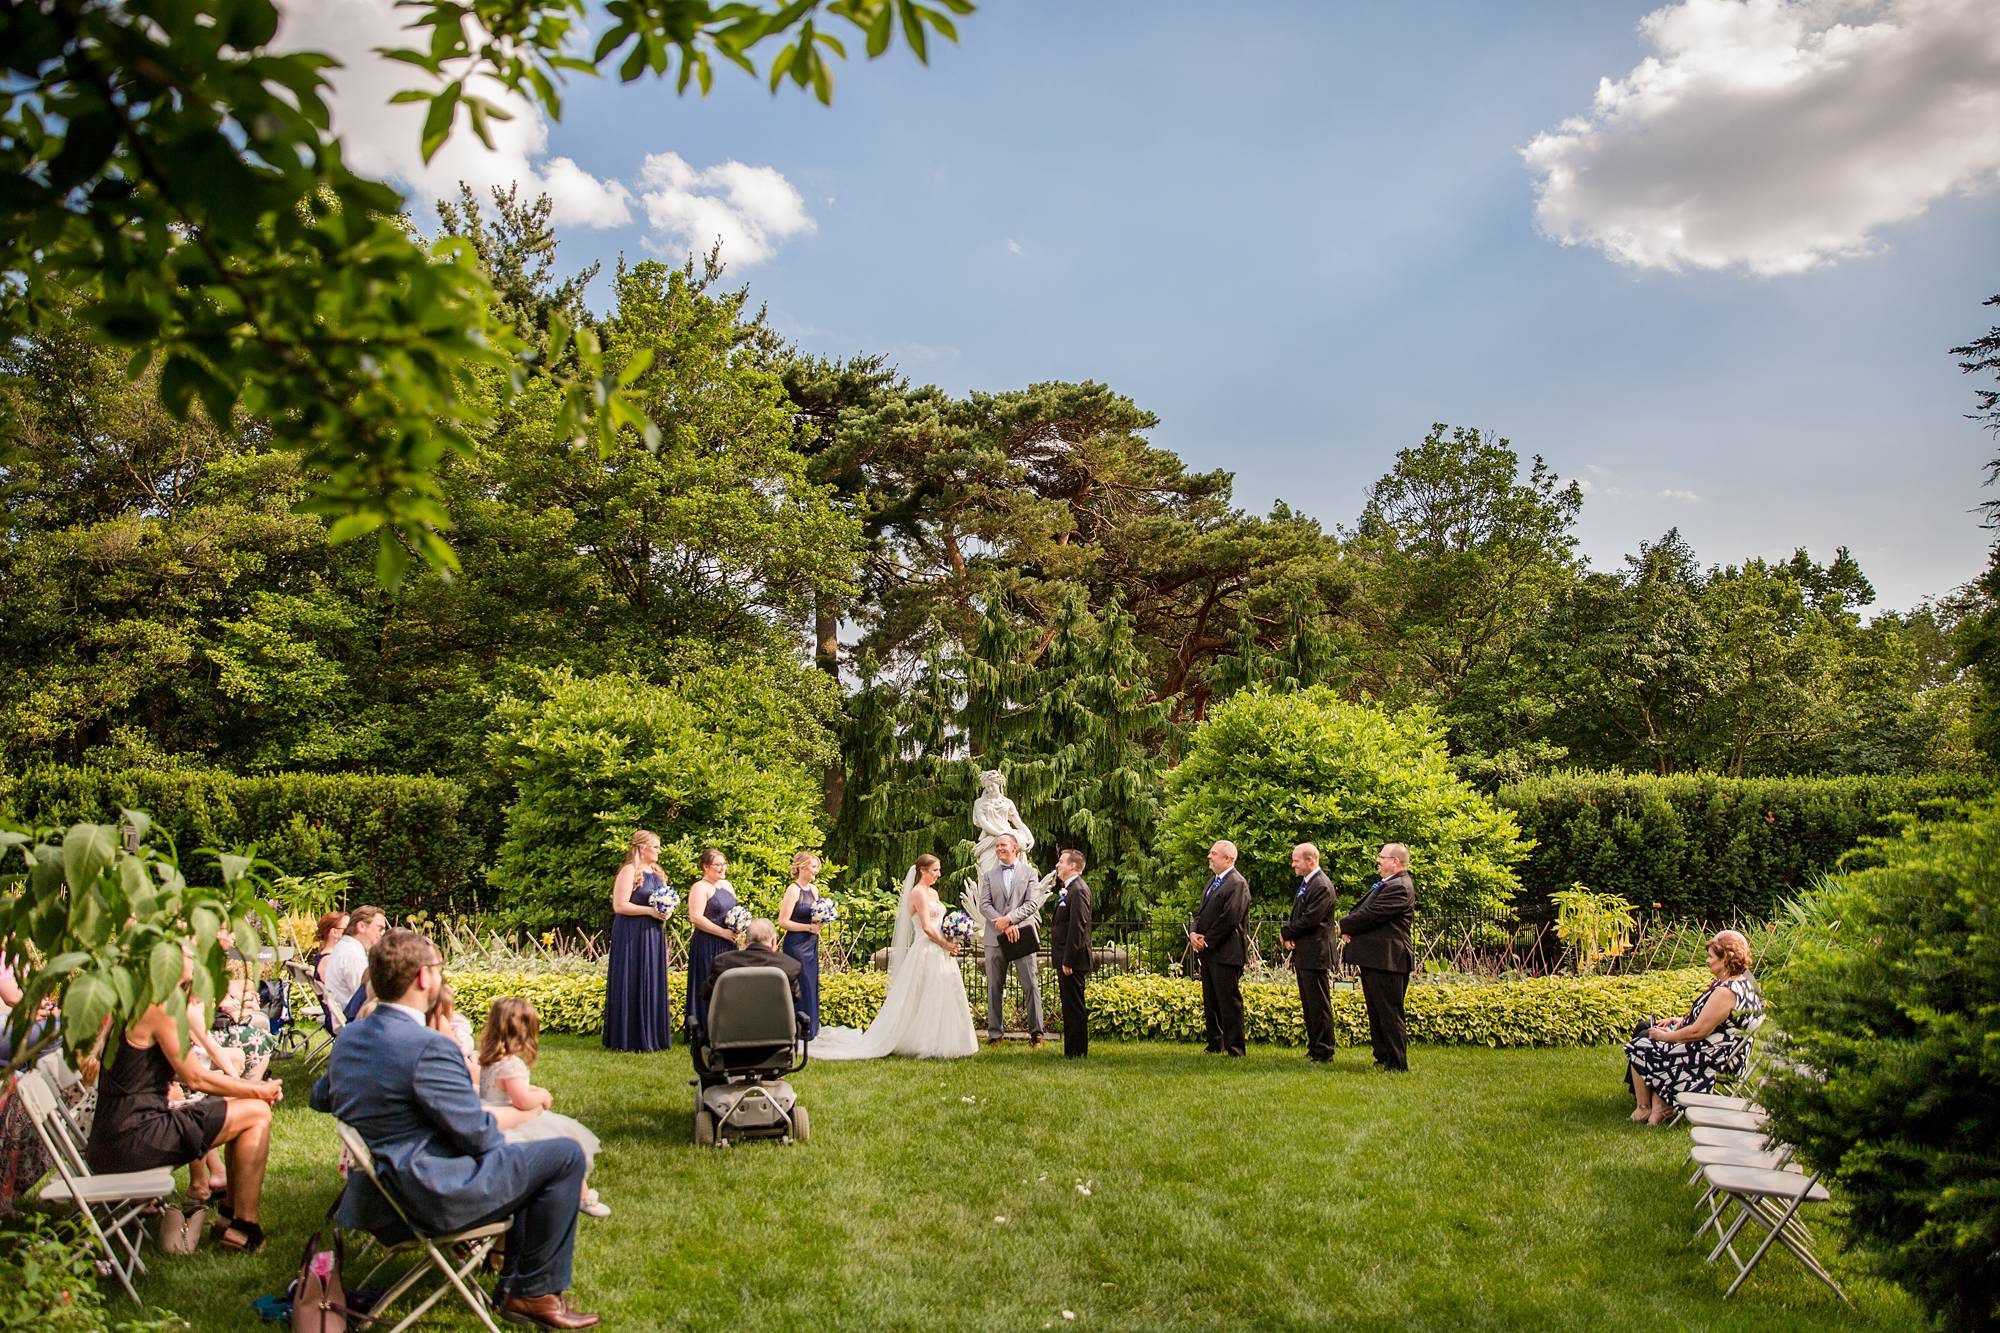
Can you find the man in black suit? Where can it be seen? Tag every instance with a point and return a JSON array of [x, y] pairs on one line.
[[1217, 940], [1377, 933], [1069, 951], [1308, 937], [760, 949]]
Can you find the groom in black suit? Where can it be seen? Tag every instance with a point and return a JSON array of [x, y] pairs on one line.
[[1308, 936], [1217, 941], [1069, 951]]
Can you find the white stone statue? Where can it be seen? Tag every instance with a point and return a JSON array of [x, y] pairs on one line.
[[993, 814]]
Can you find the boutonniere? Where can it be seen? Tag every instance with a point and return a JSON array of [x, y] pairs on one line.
[[1062, 898]]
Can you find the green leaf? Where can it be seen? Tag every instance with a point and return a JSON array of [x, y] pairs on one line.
[[88, 849], [879, 29], [913, 30], [87, 143], [635, 365], [350, 526], [390, 559], [437, 121], [235, 866], [86, 1004]]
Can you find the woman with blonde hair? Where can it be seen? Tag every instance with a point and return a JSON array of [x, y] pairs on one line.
[[710, 900], [1688, 1054], [795, 913], [637, 1013]]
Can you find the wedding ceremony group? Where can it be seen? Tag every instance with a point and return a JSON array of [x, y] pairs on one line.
[[896, 664]]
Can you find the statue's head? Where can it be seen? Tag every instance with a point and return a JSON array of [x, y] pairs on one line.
[[992, 783]]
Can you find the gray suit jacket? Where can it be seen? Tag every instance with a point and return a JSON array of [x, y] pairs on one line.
[[1023, 907]]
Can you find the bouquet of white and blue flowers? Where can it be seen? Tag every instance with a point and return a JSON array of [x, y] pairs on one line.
[[958, 926], [664, 900], [824, 913], [736, 918]]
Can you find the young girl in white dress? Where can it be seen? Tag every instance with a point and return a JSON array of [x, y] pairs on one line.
[[507, 1049]]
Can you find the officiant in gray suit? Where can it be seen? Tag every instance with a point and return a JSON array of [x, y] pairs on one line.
[[1010, 901]]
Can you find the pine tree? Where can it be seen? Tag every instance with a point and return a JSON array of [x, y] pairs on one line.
[[1111, 781]]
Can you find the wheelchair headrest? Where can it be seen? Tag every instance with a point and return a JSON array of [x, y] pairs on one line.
[[752, 1006]]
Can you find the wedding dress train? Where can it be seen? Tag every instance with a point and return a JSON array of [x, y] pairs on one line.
[[925, 1013]]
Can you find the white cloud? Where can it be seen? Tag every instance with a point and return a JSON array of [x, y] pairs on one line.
[[1777, 135], [1686, 497], [752, 208], [1013, 246]]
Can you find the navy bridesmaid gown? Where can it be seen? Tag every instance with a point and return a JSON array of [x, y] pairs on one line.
[[637, 1013], [703, 950], [804, 946]]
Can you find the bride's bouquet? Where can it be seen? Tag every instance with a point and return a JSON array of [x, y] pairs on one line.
[[736, 919], [664, 900], [958, 926], [824, 913]]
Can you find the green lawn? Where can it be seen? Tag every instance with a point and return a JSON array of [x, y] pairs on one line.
[[1486, 1189]]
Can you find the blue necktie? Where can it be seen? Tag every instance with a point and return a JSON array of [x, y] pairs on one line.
[[1211, 887]]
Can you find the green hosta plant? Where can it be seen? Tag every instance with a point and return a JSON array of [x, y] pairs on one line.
[[93, 919]]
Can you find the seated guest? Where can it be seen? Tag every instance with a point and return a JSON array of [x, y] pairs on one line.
[[325, 935], [345, 968], [760, 949], [1689, 1054], [508, 1049], [446, 1019], [402, 1086], [136, 1130]]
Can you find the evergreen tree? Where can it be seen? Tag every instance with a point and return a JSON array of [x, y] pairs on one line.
[[1115, 789]]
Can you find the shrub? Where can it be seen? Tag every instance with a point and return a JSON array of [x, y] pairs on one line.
[[49, 1282], [406, 842], [725, 757], [1892, 1016], [1701, 846], [1269, 771], [1544, 1011]]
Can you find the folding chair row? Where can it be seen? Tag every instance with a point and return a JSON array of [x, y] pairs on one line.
[[113, 1206], [1747, 1172]]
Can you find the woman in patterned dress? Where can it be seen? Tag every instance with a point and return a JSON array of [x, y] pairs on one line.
[[1689, 1054]]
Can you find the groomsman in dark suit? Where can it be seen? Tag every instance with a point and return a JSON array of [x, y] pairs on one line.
[[1217, 940], [1377, 932], [1308, 936], [1069, 951]]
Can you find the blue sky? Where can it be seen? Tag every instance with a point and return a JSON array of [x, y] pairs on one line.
[[1300, 233]]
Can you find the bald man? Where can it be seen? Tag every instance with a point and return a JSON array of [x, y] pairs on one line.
[[1308, 936], [1217, 941], [1377, 932]]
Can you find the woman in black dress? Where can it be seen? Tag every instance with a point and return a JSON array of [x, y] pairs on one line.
[[136, 1130], [1689, 1054], [802, 934], [637, 1013]]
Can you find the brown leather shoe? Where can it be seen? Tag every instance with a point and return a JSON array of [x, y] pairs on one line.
[[550, 1311], [993, 1041]]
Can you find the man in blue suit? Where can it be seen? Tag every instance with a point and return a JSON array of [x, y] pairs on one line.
[[402, 1085]]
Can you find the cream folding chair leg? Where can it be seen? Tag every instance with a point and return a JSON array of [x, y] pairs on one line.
[[478, 1242], [112, 1205], [1759, 1194]]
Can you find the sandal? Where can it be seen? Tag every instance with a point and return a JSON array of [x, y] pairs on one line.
[[224, 1219], [252, 1238]]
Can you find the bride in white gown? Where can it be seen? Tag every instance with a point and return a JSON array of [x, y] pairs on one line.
[[925, 1012]]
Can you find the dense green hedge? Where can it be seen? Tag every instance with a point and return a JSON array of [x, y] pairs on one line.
[[408, 841], [1545, 1011], [1707, 847]]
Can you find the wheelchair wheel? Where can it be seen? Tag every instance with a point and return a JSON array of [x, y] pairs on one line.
[[801, 1125], [704, 1127]]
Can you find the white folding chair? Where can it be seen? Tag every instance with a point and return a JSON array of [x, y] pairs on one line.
[[475, 1243], [315, 1046], [1710, 1117], [112, 1205], [1773, 1198]]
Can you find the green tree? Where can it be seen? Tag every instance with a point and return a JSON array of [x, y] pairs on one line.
[[725, 755], [1979, 646], [1894, 1085], [186, 177], [1269, 771]]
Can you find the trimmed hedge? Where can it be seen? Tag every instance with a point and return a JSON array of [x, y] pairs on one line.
[[1705, 847], [1543, 1011], [407, 841]]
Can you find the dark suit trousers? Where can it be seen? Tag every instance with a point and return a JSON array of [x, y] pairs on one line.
[[1075, 1014], [1384, 993], [1316, 999], [1222, 1006], [542, 1240]]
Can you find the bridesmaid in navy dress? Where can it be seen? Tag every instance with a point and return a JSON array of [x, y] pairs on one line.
[[802, 934], [637, 1013], [709, 900]]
